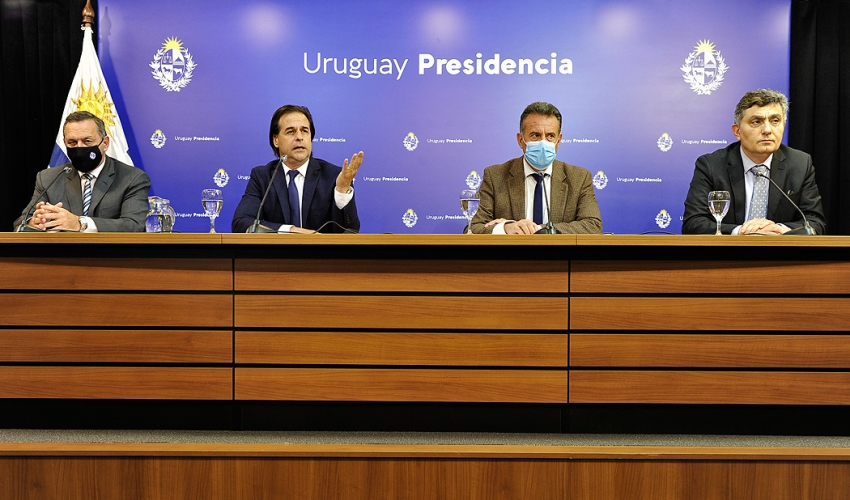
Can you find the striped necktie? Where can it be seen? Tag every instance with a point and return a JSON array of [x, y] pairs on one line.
[[87, 185]]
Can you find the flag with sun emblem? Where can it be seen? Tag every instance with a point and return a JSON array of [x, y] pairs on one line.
[[90, 93]]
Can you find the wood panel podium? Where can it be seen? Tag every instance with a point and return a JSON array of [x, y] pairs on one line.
[[570, 323], [426, 318]]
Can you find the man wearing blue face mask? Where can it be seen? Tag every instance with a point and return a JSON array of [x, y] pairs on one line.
[[514, 194], [94, 193]]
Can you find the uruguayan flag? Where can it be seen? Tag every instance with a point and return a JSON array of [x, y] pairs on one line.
[[90, 93]]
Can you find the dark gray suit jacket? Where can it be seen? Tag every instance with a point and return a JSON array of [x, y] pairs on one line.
[[119, 200], [723, 170]]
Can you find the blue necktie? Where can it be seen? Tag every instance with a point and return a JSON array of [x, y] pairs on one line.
[[538, 199], [294, 203], [87, 193]]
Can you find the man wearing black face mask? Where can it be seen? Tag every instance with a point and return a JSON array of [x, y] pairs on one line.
[[99, 194]]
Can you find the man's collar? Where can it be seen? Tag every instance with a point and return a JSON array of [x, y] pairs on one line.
[[529, 170], [748, 163]]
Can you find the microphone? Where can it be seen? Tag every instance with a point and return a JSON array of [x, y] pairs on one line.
[[806, 228], [256, 227], [26, 228], [547, 228]]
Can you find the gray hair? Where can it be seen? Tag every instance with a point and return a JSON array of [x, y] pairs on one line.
[[81, 116], [760, 98], [541, 108]]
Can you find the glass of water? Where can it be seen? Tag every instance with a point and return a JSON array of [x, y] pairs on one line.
[[213, 201], [469, 204], [718, 205]]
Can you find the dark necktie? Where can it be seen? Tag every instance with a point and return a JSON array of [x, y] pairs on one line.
[[758, 205], [538, 199], [294, 203]]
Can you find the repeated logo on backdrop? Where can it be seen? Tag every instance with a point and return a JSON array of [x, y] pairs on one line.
[[600, 180], [172, 65], [473, 180], [665, 142], [158, 139], [410, 218], [704, 68], [410, 141], [663, 219]]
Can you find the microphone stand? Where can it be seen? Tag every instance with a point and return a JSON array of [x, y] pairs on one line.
[[256, 227], [805, 229], [26, 228]]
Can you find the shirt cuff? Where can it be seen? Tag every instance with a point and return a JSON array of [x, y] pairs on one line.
[[285, 228], [500, 227], [92, 227], [342, 199]]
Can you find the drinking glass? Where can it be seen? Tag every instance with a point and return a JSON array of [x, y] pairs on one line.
[[213, 201], [469, 204], [718, 205]]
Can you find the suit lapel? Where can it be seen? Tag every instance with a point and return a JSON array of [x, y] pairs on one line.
[[558, 195], [311, 180], [777, 173], [516, 190], [735, 171], [101, 185], [73, 192]]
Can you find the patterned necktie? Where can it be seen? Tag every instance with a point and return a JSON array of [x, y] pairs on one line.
[[758, 205], [87, 185], [537, 215], [294, 203]]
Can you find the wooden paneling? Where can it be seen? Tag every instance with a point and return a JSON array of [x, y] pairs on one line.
[[370, 348], [115, 274], [396, 312], [119, 310], [676, 313], [763, 277], [101, 382], [168, 478], [313, 275], [117, 346], [361, 384], [689, 350], [709, 387], [639, 242]]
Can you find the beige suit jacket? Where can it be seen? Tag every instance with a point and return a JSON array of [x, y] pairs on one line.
[[573, 203]]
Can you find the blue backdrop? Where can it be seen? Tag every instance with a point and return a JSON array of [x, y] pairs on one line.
[[432, 93]]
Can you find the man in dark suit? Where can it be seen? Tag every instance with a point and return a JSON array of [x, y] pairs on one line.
[[97, 194], [308, 192], [756, 206], [512, 194]]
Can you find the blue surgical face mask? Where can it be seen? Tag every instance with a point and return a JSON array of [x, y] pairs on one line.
[[540, 154]]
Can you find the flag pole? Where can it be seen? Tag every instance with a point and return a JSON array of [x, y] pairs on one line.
[[88, 15]]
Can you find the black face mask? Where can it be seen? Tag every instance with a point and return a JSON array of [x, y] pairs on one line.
[[86, 158]]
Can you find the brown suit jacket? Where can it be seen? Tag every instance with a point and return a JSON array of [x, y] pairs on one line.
[[573, 202]]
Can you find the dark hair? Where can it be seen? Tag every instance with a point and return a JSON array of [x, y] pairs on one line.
[[760, 98], [81, 116], [274, 128], [542, 108]]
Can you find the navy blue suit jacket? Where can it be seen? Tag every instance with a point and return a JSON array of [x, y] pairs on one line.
[[317, 200], [723, 170]]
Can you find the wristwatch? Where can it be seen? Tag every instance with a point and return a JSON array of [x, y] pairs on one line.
[[84, 224]]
